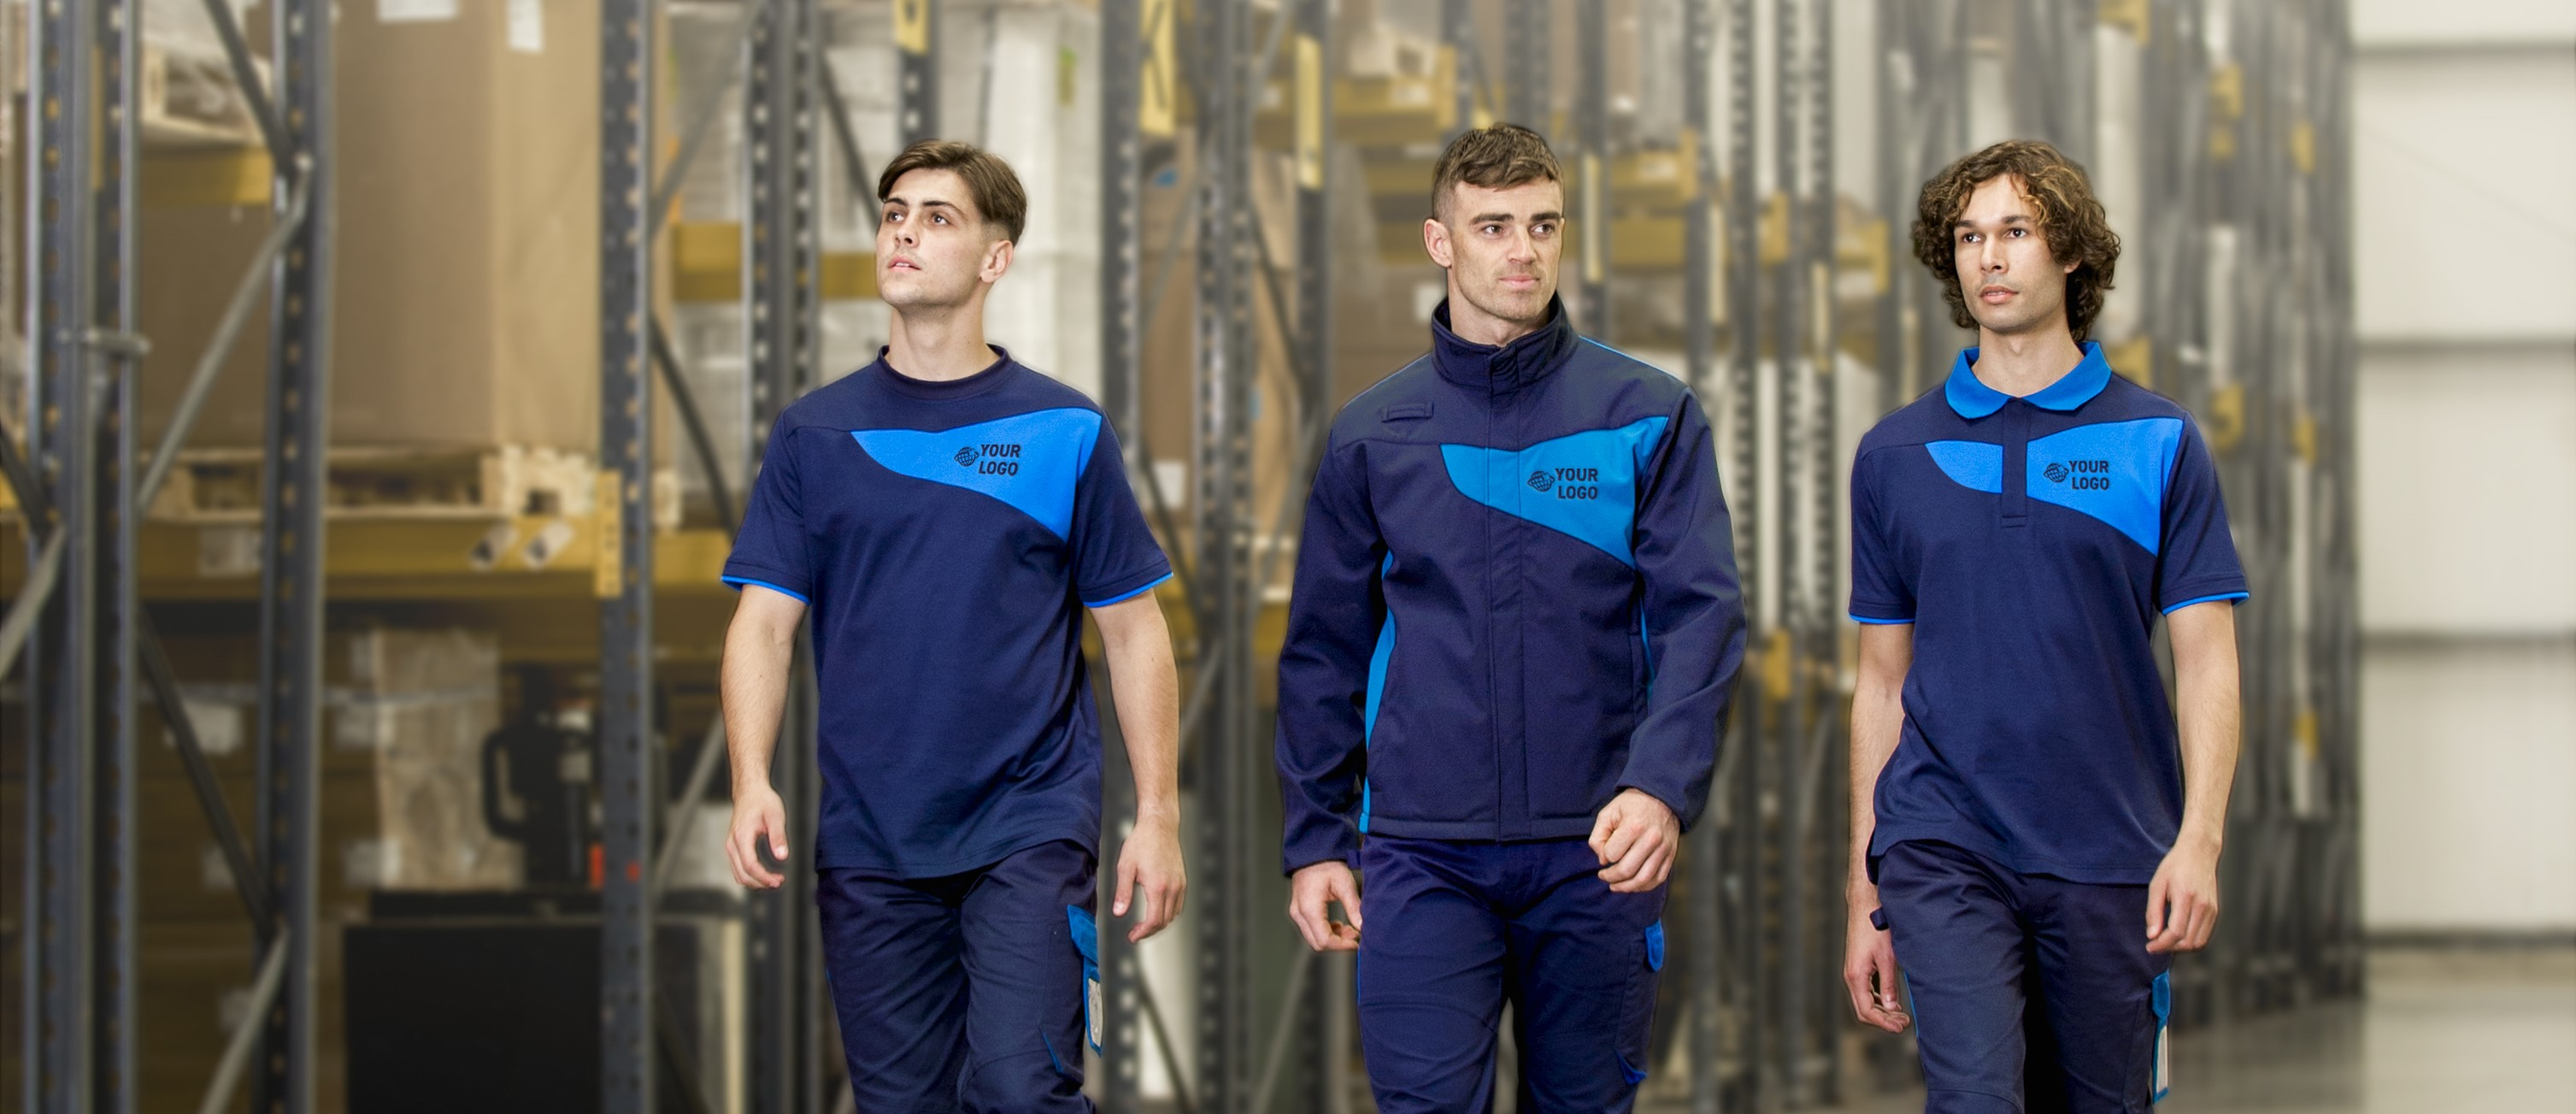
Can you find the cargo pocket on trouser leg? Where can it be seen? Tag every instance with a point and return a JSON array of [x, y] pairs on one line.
[[1637, 1015], [1086, 939]]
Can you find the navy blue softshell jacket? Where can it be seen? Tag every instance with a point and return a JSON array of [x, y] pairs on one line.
[[1516, 596]]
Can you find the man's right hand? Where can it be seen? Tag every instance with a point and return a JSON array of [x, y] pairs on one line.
[[1311, 890], [758, 815], [1869, 972]]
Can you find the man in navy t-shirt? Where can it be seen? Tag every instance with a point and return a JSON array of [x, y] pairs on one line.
[[2029, 840], [946, 515]]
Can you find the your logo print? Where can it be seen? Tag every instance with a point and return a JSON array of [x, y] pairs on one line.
[[990, 458], [2080, 475], [1541, 480]]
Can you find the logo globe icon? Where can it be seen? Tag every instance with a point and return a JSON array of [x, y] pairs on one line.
[[1541, 480], [966, 457], [2056, 473]]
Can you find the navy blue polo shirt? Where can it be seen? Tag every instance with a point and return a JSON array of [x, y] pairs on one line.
[[945, 537], [2033, 542]]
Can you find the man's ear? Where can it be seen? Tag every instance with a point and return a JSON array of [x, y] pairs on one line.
[[997, 261], [1435, 240]]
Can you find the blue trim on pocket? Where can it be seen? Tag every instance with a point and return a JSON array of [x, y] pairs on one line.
[[2159, 1082], [1882, 622], [1630, 1072], [1655, 946], [1086, 940]]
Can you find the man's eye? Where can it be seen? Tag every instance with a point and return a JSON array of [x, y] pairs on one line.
[[2021, 232], [1491, 230], [941, 218], [1545, 229]]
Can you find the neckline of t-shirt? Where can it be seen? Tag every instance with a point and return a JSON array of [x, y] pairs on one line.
[[941, 389]]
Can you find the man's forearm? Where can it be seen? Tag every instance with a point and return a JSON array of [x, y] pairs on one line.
[[756, 661], [1143, 684], [2209, 728], [1878, 721]]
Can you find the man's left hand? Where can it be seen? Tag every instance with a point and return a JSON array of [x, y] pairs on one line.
[[2182, 901], [1636, 837], [1150, 861]]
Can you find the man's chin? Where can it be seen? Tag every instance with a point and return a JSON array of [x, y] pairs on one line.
[[1521, 307]]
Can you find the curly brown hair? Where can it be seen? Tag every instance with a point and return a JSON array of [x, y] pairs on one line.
[[2061, 196]]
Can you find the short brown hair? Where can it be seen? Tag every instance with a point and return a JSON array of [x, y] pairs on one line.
[[1496, 157], [2061, 197], [994, 188]]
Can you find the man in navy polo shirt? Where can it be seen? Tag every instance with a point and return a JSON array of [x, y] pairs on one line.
[[1514, 632], [946, 514], [2029, 840]]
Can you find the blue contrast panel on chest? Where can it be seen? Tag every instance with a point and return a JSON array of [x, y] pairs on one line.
[[2113, 472], [1031, 461], [1583, 485]]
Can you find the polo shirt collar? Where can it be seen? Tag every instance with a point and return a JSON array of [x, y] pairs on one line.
[[1973, 399]]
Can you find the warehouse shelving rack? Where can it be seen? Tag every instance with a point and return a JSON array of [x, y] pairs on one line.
[[2250, 144]]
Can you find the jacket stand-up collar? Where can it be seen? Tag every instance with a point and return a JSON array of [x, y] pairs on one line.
[[1510, 367]]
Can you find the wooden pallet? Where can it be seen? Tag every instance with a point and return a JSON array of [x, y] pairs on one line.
[[222, 486]]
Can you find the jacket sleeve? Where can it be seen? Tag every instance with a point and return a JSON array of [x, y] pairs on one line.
[[1693, 614], [1335, 612]]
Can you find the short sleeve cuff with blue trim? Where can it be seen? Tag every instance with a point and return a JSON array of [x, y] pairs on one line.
[[738, 574], [2203, 592], [1124, 588], [1880, 614]]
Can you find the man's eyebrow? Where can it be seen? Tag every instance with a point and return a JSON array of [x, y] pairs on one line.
[[1506, 218], [2009, 218], [924, 203]]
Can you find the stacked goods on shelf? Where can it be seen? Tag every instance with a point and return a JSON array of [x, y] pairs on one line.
[[401, 808], [464, 267]]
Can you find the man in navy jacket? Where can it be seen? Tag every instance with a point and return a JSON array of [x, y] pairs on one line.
[[1515, 631]]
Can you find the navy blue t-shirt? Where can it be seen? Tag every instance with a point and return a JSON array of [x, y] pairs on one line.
[[945, 536], [2036, 727]]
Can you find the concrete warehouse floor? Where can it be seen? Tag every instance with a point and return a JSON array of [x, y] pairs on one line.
[[2454, 1032]]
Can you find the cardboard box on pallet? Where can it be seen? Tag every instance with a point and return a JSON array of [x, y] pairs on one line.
[[464, 301], [405, 715]]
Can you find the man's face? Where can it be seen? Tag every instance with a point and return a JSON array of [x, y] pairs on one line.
[[933, 248], [2012, 283], [1501, 248]]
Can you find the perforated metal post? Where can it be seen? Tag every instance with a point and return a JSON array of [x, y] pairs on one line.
[[782, 305], [1702, 856], [290, 667], [916, 43], [627, 752], [1529, 28], [1592, 173], [112, 540], [1122, 59], [1738, 795], [62, 665], [1227, 754], [1326, 995]]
